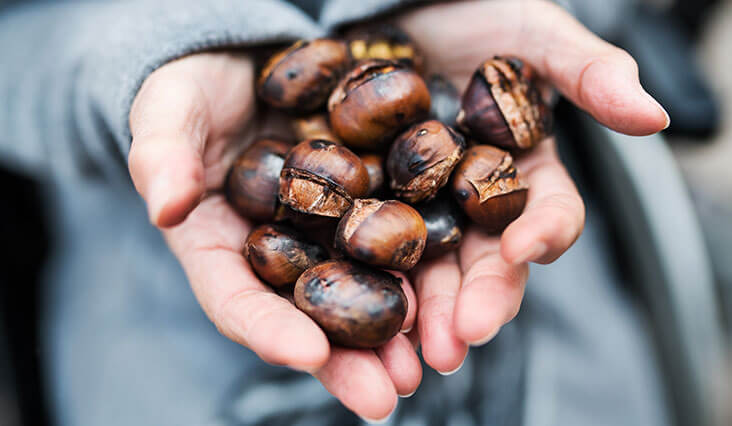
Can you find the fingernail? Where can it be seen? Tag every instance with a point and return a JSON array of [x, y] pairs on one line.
[[486, 339], [663, 110], [377, 421], [408, 395], [157, 193], [450, 373], [533, 253], [406, 330]]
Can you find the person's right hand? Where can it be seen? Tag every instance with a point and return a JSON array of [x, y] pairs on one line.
[[186, 122]]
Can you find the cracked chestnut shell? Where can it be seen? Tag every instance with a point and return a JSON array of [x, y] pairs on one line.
[[322, 178], [421, 159], [384, 41], [502, 106], [388, 234], [489, 188], [445, 97], [357, 306], [445, 223], [313, 126], [279, 254], [374, 164], [300, 77], [253, 182], [376, 100]]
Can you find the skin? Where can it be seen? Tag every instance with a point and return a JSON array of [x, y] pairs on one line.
[[188, 113]]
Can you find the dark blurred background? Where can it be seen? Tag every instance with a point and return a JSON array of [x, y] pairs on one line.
[[683, 49]]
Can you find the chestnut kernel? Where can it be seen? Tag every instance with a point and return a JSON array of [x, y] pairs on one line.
[[374, 164], [502, 106], [300, 77], [279, 254], [384, 41], [421, 159], [388, 234], [357, 306], [254, 179], [444, 221], [489, 188], [313, 126], [322, 178], [445, 97], [376, 100]]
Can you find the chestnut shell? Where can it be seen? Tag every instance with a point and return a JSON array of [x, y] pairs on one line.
[[374, 164], [357, 306], [445, 97], [445, 223], [314, 126], [489, 188]]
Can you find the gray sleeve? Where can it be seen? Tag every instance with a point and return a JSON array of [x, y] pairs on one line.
[[341, 12], [69, 72]]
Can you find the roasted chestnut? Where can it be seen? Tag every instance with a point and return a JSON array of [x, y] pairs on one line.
[[374, 164], [376, 100], [502, 106], [445, 97], [357, 306], [421, 159], [388, 234], [254, 179], [384, 41], [300, 77], [444, 222], [279, 254], [489, 188], [313, 126], [322, 178]]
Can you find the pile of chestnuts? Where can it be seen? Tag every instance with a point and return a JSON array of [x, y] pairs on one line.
[[382, 167]]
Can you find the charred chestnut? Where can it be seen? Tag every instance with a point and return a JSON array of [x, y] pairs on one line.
[[488, 187], [375, 166], [502, 106], [301, 77], [313, 126], [356, 306], [376, 100], [279, 254], [445, 97], [384, 41], [388, 234], [322, 178], [444, 222], [253, 181], [421, 159]]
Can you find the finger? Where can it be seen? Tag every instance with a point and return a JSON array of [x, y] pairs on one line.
[[402, 364], [554, 215], [360, 381], [208, 244], [595, 75], [438, 284], [411, 302], [492, 289]]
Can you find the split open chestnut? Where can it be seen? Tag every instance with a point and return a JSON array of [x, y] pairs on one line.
[[489, 188], [388, 234], [357, 306], [384, 41], [254, 179], [502, 106], [444, 221], [376, 100], [421, 159], [300, 77], [279, 254], [322, 178]]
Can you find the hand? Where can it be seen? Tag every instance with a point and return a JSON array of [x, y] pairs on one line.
[[187, 122], [464, 299]]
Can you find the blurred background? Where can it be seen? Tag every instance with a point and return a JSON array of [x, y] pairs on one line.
[[668, 200]]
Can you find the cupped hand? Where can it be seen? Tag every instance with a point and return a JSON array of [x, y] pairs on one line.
[[465, 298], [187, 123]]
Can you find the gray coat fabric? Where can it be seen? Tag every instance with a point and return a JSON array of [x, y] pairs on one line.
[[124, 341]]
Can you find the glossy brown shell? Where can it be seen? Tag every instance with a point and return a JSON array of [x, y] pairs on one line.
[[384, 41], [301, 77], [374, 164], [502, 106], [489, 188], [388, 234], [445, 224], [421, 159], [357, 306], [322, 178], [279, 254], [314, 126], [253, 181], [376, 100]]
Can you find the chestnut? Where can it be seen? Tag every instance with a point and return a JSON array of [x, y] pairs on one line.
[[388, 234], [253, 182], [376, 100], [300, 77], [279, 254], [502, 106], [489, 188], [322, 178], [313, 126], [374, 164], [421, 159], [384, 41], [444, 221], [445, 97], [357, 306]]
